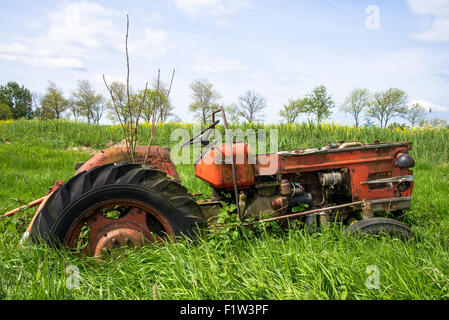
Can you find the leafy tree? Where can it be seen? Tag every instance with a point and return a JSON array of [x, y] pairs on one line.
[[319, 103], [54, 104], [5, 112], [293, 110], [231, 114], [150, 106], [119, 93], [250, 106], [85, 102], [36, 104], [205, 99], [387, 105], [357, 101], [166, 108], [416, 114], [18, 98], [74, 108], [162, 101], [157, 101], [98, 109]]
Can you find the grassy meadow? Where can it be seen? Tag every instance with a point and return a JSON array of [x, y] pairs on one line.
[[273, 265]]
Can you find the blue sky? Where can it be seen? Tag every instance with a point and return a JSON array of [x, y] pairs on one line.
[[282, 49]]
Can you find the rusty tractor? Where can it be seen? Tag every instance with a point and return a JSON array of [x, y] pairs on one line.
[[111, 203]]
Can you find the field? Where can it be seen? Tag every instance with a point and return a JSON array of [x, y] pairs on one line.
[[273, 265]]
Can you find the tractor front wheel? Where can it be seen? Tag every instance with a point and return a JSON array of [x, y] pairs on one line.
[[117, 205]]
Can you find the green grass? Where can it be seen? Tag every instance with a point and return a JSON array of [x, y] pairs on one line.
[[291, 265]]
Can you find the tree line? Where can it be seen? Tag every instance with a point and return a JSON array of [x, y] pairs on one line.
[[381, 107], [85, 104], [360, 104]]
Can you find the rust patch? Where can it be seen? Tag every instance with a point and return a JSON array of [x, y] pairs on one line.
[[159, 158]]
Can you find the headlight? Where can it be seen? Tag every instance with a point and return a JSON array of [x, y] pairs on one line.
[[405, 161]]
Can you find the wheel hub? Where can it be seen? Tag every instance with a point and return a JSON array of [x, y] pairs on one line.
[[128, 229], [118, 238]]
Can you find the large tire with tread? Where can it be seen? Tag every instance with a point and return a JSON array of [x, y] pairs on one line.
[[379, 226], [122, 181]]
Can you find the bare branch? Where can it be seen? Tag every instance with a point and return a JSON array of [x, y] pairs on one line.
[[171, 83]]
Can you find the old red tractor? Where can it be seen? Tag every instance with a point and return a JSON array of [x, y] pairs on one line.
[[111, 203]]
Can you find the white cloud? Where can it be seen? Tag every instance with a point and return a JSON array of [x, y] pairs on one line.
[[439, 11], [13, 48], [209, 65], [431, 106], [438, 33], [195, 8], [81, 31], [48, 62], [430, 7]]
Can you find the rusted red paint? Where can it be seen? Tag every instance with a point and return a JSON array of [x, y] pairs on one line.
[[216, 170], [56, 185], [360, 161], [267, 165], [27, 206], [159, 158]]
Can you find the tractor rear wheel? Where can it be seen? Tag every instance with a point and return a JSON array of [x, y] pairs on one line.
[[379, 226], [117, 205]]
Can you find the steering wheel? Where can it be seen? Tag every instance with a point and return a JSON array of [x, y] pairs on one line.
[[200, 135]]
